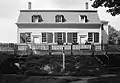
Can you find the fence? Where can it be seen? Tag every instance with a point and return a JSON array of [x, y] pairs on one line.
[[46, 49]]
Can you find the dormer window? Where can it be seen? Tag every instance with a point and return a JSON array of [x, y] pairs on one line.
[[59, 18], [37, 18], [83, 18]]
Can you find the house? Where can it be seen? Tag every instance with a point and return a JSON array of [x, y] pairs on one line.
[[61, 26]]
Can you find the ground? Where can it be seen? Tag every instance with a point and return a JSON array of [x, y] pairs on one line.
[[12, 78]]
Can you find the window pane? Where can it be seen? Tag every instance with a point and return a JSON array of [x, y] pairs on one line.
[[43, 34], [59, 18], [59, 34], [59, 37], [25, 37], [90, 37], [44, 37], [75, 37], [96, 37], [36, 18], [72, 37]]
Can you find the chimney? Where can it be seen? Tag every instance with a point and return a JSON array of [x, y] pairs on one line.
[[29, 5], [86, 5]]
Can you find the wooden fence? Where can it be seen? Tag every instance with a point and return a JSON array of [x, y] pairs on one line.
[[46, 49]]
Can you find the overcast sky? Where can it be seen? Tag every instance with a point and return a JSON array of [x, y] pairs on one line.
[[9, 12]]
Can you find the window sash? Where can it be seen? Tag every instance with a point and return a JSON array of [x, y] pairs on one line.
[[47, 37], [44, 37], [37, 18], [59, 18], [93, 37], [90, 37], [25, 37], [72, 37], [60, 37]]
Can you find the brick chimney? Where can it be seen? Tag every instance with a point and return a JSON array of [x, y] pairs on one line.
[[86, 5], [29, 5]]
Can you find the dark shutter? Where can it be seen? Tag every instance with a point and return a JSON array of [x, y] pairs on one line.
[[50, 38], [64, 37], [69, 37], [55, 37], [96, 37], [22, 37]]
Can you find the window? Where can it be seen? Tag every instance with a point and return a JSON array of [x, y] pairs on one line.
[[83, 18], [47, 37], [44, 37], [72, 37], [25, 37], [90, 37], [93, 37], [60, 37], [37, 18], [59, 18]]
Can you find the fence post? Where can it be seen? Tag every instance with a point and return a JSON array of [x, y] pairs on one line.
[[50, 49], [93, 48], [71, 49]]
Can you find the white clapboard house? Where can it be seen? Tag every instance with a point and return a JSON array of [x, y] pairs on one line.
[[61, 26]]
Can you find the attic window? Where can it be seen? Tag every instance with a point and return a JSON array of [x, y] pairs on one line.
[[37, 18], [83, 18], [59, 18]]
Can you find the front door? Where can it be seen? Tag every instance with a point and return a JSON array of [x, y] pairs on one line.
[[83, 39], [36, 39]]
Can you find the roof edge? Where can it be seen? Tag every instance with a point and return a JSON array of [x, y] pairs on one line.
[[55, 23], [58, 10]]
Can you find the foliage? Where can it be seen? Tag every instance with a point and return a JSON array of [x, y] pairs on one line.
[[114, 35], [112, 5]]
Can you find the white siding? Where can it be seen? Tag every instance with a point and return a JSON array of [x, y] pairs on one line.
[[37, 31]]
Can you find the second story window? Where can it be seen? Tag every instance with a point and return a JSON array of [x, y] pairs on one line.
[[37, 18], [59, 18], [83, 18]]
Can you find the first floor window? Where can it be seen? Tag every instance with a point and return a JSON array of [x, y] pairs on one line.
[[72, 37], [44, 37], [25, 37], [93, 37], [60, 37], [47, 37], [90, 37]]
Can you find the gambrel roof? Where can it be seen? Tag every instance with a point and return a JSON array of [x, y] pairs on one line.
[[48, 16]]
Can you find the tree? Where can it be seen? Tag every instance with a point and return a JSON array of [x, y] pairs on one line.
[[112, 5], [113, 35]]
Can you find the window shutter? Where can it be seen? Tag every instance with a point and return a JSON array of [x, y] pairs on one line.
[[64, 37], [69, 37], [55, 37], [50, 38], [96, 37]]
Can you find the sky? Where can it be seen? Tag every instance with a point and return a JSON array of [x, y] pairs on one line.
[[9, 12]]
